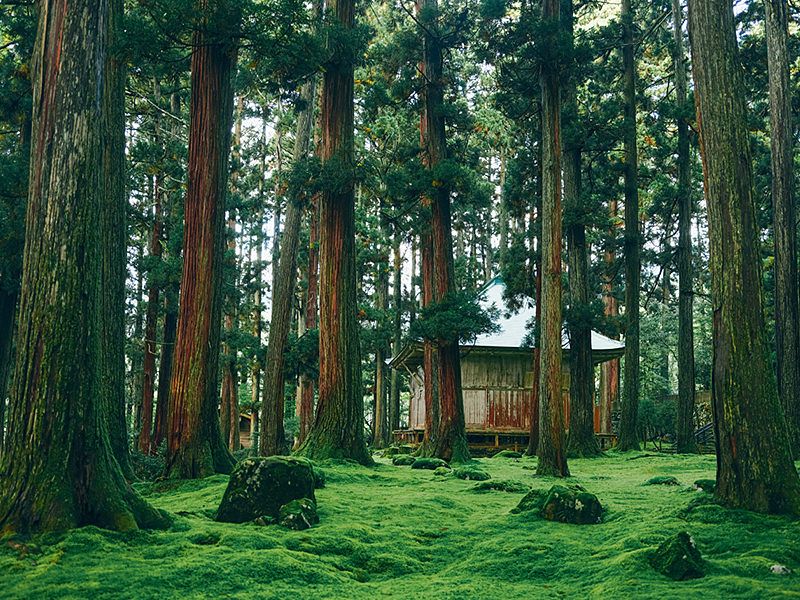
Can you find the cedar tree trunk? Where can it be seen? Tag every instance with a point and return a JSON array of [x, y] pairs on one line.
[[754, 464], [194, 444], [685, 441], [338, 430], [628, 438], [787, 326], [552, 444], [59, 470]]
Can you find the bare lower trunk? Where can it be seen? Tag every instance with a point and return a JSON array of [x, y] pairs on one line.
[[628, 425], [754, 464]]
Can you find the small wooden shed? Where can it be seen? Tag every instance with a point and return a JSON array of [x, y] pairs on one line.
[[496, 377]]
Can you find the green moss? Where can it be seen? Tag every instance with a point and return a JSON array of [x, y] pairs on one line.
[[662, 480], [403, 460], [706, 485], [471, 473], [678, 558], [507, 454], [429, 463], [385, 530], [501, 485]]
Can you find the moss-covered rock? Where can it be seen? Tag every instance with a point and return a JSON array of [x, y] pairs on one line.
[[664, 480], [471, 473], [206, 538], [260, 486], [429, 463], [403, 460], [705, 485], [500, 485], [442, 471], [390, 451], [507, 454], [298, 514], [570, 504], [678, 558]]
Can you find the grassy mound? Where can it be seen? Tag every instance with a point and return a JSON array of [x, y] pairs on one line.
[[390, 531]]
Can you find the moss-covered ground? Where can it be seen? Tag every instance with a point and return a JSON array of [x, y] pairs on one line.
[[394, 532]]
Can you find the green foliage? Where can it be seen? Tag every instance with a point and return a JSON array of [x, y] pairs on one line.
[[458, 317], [301, 356]]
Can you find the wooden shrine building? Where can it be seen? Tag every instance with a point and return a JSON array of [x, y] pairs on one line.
[[496, 378]]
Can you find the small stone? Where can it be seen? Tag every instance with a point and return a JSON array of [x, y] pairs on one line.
[[705, 485], [667, 480], [507, 454], [780, 570], [298, 514], [429, 463], [678, 558], [403, 460], [471, 473]]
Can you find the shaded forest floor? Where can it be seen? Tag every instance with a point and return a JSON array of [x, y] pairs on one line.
[[390, 531]]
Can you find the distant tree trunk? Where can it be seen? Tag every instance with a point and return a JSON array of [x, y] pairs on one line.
[[150, 327], [685, 441], [397, 331], [582, 441], [381, 429], [8, 313], [137, 378], [533, 434], [258, 308], [170, 325], [165, 368], [272, 433], [609, 370], [754, 463], [278, 207], [338, 430], [305, 412], [229, 423], [430, 363], [787, 313], [628, 425], [194, 444], [59, 470], [552, 445]]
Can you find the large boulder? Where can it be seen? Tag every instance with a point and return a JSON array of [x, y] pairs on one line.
[[258, 487], [298, 514], [564, 504], [678, 558]]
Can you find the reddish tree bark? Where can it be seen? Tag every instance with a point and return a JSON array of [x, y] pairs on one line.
[[338, 430], [194, 445]]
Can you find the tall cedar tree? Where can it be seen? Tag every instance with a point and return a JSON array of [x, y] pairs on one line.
[[582, 441], [381, 427], [115, 255], [305, 409], [787, 315], [59, 470], [628, 438], [451, 435], [552, 444], [685, 441], [338, 430], [194, 444], [754, 464], [272, 435]]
